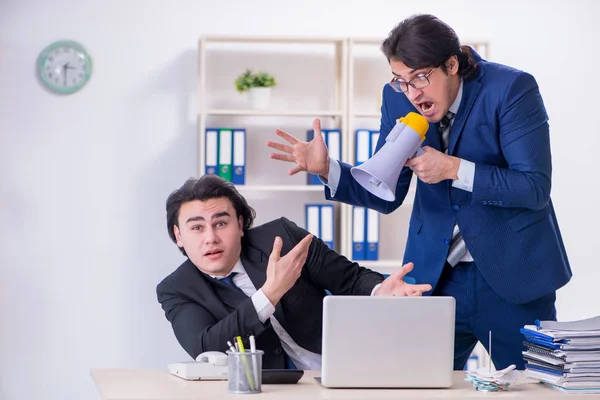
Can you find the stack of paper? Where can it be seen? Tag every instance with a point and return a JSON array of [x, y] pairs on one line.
[[565, 355], [485, 380]]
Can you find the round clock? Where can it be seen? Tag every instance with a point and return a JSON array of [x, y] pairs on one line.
[[64, 67]]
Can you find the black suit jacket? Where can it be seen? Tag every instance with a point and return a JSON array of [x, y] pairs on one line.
[[205, 313]]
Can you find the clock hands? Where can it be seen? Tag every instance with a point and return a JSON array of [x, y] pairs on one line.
[[65, 68]]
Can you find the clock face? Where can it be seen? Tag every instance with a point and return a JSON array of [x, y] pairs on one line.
[[64, 67]]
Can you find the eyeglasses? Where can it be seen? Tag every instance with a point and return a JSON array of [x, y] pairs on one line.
[[418, 82]]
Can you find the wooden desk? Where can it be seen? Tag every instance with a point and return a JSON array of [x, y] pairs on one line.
[[154, 384]]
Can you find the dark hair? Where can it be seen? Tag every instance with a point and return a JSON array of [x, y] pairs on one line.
[[423, 41], [206, 188]]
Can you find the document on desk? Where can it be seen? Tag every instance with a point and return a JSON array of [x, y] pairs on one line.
[[590, 324]]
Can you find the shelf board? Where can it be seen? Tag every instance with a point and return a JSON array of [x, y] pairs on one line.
[[367, 115], [270, 39], [280, 188], [274, 113]]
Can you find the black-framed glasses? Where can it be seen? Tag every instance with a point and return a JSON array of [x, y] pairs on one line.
[[418, 82]]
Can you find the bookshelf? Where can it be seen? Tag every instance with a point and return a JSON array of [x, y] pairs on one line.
[[336, 79]]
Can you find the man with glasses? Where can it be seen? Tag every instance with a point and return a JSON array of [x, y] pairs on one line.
[[483, 228]]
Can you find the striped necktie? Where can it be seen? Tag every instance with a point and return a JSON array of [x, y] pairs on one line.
[[444, 130], [458, 248]]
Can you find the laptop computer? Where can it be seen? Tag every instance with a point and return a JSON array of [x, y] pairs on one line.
[[387, 342]]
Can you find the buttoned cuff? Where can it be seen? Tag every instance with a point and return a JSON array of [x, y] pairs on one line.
[[466, 176], [333, 180]]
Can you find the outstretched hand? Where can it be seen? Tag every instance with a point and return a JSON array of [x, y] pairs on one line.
[[283, 272], [394, 284], [311, 157]]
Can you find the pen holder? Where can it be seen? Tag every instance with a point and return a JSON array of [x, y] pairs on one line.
[[244, 372]]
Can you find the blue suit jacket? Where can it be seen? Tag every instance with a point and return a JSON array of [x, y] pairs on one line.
[[508, 221]]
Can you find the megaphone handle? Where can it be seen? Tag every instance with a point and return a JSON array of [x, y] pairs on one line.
[[419, 152]]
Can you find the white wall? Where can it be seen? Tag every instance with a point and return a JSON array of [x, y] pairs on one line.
[[84, 178]]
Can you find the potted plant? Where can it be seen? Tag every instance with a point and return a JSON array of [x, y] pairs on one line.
[[258, 85]]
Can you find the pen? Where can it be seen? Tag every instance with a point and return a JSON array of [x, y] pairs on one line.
[[245, 362], [490, 352], [253, 350], [231, 347]]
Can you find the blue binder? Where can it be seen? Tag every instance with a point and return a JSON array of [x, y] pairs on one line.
[[319, 222], [359, 217], [372, 236], [362, 146], [239, 157], [211, 151], [326, 233], [365, 145]]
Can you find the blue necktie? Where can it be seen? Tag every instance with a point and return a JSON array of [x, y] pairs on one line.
[[228, 280]]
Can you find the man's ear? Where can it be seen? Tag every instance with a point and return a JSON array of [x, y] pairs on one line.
[[452, 65], [177, 235], [241, 224]]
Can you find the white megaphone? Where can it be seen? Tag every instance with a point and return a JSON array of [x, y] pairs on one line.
[[379, 174]]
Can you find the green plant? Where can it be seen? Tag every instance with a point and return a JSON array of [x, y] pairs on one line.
[[249, 80]]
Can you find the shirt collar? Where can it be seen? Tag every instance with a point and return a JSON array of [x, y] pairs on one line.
[[238, 267], [454, 107]]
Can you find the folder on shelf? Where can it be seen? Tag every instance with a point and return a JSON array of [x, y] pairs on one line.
[[358, 233], [327, 224], [374, 140], [333, 140], [313, 217], [211, 153], [239, 157], [319, 222], [372, 239], [363, 138], [225, 153]]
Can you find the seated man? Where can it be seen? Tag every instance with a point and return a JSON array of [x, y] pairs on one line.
[[268, 281]]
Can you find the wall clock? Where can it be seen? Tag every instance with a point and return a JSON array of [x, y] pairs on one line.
[[64, 67]]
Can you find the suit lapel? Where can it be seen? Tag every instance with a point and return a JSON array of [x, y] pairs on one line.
[[470, 92], [432, 137]]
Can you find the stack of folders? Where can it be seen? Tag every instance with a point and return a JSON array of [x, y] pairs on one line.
[[319, 222], [333, 140], [564, 355], [365, 234], [225, 154]]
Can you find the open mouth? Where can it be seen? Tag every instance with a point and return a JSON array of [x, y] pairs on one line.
[[213, 252], [426, 106]]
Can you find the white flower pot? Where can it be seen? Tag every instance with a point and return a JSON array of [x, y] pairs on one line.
[[259, 97]]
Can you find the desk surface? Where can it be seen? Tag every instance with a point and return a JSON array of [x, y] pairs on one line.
[[155, 384]]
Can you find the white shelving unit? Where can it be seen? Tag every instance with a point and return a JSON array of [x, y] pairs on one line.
[[329, 55], [354, 73]]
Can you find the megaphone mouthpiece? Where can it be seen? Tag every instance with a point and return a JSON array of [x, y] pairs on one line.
[[379, 174], [417, 122]]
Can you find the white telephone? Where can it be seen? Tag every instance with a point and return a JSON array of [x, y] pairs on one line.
[[211, 365]]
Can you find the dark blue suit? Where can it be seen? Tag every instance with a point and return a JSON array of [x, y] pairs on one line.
[[508, 221]]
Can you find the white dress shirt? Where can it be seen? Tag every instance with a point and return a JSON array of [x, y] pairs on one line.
[[304, 359]]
